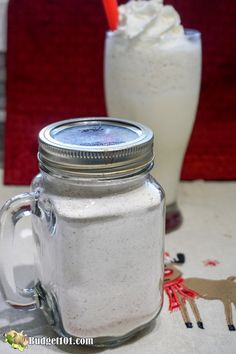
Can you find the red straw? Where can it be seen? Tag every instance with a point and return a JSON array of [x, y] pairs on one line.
[[111, 9]]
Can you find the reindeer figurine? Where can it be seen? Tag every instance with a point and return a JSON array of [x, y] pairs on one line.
[[180, 291]]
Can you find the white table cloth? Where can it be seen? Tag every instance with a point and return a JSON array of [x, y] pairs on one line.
[[208, 233]]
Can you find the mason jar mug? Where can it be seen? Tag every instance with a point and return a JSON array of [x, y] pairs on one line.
[[98, 221]]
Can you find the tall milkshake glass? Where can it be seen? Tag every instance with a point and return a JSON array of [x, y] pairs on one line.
[[156, 82]]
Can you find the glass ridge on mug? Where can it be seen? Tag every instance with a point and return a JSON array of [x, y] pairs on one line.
[[98, 220]]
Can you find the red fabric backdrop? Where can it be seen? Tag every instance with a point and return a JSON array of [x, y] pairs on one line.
[[54, 71]]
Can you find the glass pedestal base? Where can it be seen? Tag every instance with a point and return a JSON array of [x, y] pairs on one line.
[[174, 218]]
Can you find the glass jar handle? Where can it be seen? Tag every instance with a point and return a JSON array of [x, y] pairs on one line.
[[12, 211]]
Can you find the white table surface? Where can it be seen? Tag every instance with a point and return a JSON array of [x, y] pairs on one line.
[[208, 232]]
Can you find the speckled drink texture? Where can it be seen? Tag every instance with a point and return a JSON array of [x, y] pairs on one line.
[[109, 258]]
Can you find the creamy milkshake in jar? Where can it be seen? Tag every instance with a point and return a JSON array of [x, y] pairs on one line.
[[152, 75]]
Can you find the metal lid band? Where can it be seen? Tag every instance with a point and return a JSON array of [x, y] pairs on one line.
[[95, 147]]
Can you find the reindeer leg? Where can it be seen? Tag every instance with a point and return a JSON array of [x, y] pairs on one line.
[[184, 312], [229, 315], [196, 313]]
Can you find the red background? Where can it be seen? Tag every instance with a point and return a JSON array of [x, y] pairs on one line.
[[55, 71]]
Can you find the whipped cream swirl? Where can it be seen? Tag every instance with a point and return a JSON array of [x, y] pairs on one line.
[[150, 20]]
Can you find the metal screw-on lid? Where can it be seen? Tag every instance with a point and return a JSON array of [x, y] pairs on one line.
[[95, 147]]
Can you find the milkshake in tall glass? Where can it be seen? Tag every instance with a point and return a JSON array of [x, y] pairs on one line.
[[152, 75]]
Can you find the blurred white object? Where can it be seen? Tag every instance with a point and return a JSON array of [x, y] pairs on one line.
[[3, 25]]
